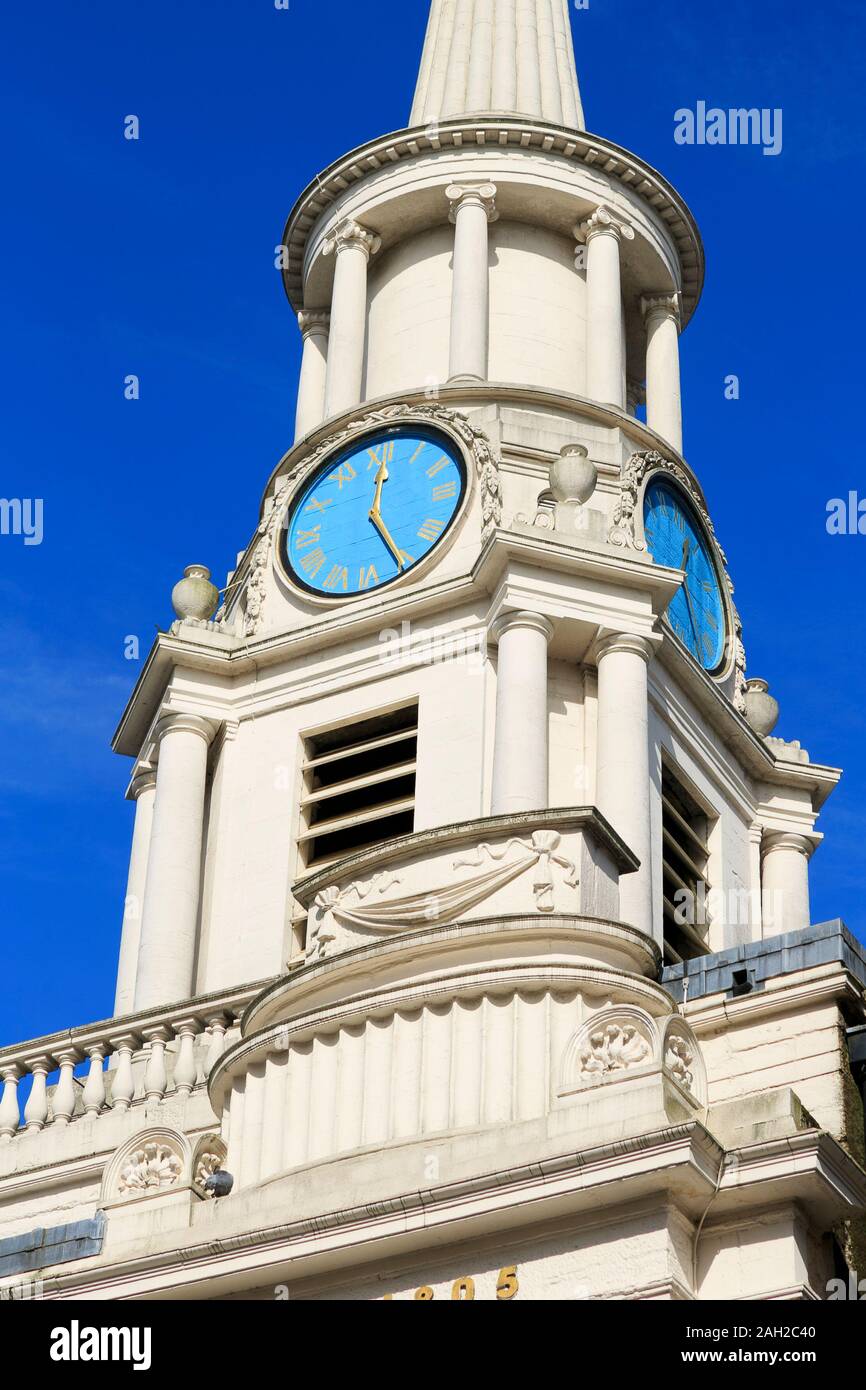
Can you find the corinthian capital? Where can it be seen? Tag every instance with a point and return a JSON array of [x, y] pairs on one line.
[[481, 195], [350, 235], [603, 222], [666, 305]]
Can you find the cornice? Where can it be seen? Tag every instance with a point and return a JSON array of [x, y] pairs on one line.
[[512, 134]]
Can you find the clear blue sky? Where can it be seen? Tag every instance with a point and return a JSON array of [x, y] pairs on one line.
[[156, 258]]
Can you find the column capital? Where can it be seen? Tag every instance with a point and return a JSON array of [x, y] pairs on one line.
[[350, 235], [603, 222], [627, 643], [786, 840], [664, 306], [186, 724], [535, 622], [313, 321], [143, 781], [481, 195]]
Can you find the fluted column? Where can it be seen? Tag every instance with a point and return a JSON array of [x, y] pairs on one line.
[[314, 370], [473, 208], [352, 245], [143, 793], [664, 407], [166, 955], [520, 749], [785, 882], [603, 234], [623, 777]]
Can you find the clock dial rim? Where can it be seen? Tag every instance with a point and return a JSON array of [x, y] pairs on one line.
[[674, 489], [367, 438]]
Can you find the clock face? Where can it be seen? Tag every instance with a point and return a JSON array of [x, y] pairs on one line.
[[372, 512], [676, 538]]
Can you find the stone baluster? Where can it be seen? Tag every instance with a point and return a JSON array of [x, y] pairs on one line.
[[123, 1080], [63, 1102], [185, 1072], [94, 1087], [36, 1109], [217, 1025], [155, 1075], [10, 1114]]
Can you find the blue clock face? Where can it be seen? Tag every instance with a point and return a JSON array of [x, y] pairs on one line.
[[676, 538], [373, 512]]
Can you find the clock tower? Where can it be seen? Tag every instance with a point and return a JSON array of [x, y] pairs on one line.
[[468, 906]]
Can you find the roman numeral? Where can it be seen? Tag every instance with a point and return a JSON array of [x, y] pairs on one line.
[[317, 506], [407, 559], [368, 578], [679, 520], [444, 492], [337, 579], [387, 455], [421, 447], [313, 562], [306, 538], [345, 474], [708, 644], [437, 467], [431, 529]]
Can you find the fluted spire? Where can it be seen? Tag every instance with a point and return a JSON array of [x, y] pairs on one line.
[[498, 57]]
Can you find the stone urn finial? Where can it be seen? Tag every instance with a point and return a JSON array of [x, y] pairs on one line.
[[573, 476], [762, 710], [195, 596]]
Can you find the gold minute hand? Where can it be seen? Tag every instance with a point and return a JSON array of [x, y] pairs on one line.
[[686, 550], [387, 538], [376, 516]]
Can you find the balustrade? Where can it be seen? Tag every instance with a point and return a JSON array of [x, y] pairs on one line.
[[150, 1056]]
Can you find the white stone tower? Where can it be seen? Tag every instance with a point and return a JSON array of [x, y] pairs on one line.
[[465, 756]]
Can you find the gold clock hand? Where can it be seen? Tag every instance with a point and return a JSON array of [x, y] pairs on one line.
[[686, 550], [381, 480], [387, 538]]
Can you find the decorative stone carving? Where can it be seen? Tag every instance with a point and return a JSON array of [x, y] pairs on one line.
[[352, 906], [352, 234], [209, 1158], [152, 1167], [477, 444], [614, 1048], [682, 1059], [679, 1058], [602, 222]]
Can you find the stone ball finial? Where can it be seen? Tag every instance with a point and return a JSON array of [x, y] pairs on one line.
[[195, 596], [762, 710], [573, 476]]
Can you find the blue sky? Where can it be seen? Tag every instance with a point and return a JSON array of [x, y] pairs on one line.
[[156, 258]]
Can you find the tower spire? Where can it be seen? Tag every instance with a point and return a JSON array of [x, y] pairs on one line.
[[500, 57]]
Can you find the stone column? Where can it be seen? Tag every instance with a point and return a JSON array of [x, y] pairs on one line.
[[664, 407], [623, 772], [314, 369], [166, 956], [605, 345], [353, 246], [785, 882], [473, 208], [143, 793], [520, 756]]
